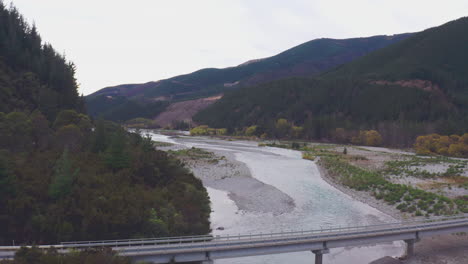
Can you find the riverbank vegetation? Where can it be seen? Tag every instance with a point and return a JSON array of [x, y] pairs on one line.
[[35, 255], [195, 154], [285, 130], [341, 166], [207, 131], [414, 166], [406, 198], [435, 144]]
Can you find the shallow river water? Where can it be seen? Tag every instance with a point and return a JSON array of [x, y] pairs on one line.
[[317, 204]]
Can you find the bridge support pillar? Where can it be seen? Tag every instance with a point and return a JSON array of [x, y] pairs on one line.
[[410, 247], [319, 255]]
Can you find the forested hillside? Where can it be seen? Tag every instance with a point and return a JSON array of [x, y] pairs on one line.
[[32, 74], [414, 87], [308, 59], [64, 176], [120, 108]]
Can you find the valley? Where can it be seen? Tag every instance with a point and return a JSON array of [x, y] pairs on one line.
[[359, 138]]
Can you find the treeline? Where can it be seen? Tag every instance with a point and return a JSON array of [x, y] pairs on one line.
[[207, 131], [283, 129], [72, 180], [32, 74], [321, 107], [453, 145]]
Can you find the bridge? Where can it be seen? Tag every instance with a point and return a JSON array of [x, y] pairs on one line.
[[208, 248]]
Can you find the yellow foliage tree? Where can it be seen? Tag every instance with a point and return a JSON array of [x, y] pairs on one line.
[[373, 138], [365, 137], [453, 145], [199, 130], [250, 131], [282, 127], [221, 131], [296, 131]]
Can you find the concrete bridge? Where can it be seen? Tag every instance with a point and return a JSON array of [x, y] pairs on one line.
[[319, 242]]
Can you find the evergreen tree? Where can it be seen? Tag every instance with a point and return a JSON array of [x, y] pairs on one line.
[[117, 156], [6, 178], [99, 140], [63, 177]]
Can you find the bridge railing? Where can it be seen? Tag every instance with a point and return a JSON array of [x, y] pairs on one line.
[[269, 235]]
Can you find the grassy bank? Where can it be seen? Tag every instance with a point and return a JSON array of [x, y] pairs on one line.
[[407, 199]]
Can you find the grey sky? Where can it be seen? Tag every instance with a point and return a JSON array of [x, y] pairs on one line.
[[119, 41]]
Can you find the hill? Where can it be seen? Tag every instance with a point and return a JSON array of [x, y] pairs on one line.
[[416, 86], [64, 177], [33, 75], [308, 59]]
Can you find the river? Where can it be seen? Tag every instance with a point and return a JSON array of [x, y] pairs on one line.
[[317, 204]]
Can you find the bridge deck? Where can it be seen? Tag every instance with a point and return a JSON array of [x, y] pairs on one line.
[[200, 248]]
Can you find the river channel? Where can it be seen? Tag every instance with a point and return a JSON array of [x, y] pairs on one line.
[[316, 203]]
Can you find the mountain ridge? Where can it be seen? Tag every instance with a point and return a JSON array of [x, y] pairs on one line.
[[307, 59], [297, 51], [416, 86]]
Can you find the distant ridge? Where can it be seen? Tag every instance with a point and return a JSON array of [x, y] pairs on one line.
[[308, 59], [416, 86]]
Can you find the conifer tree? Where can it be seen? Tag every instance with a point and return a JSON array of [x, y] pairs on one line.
[[117, 156], [63, 176]]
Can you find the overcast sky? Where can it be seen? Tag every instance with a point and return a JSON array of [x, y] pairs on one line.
[[121, 41]]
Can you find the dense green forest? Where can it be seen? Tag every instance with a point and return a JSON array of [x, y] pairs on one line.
[[32, 74], [121, 109], [414, 87], [310, 58], [64, 176], [64, 181]]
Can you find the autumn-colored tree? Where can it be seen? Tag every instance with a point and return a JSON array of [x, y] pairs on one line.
[[282, 127], [453, 145], [296, 131], [373, 138], [456, 150], [199, 130], [464, 139], [250, 131], [221, 131]]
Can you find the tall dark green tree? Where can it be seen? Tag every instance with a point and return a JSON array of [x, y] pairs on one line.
[[63, 177], [42, 77], [6, 178], [117, 156], [99, 140]]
